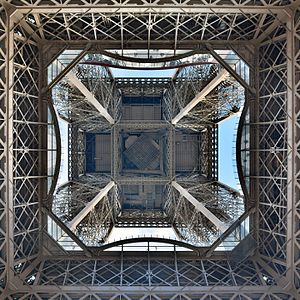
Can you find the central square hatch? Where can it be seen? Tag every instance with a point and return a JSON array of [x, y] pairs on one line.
[[142, 152]]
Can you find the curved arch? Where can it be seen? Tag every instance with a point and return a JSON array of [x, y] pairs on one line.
[[58, 153], [98, 63], [114, 60], [239, 152], [147, 240], [151, 60]]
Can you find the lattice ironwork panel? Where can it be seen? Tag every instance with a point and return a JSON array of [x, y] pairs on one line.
[[273, 155], [145, 3], [26, 147], [4, 233], [155, 295], [22, 147], [294, 183], [153, 271], [171, 24]]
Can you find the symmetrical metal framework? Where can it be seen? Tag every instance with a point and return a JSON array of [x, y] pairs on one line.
[[96, 85], [33, 34], [154, 125]]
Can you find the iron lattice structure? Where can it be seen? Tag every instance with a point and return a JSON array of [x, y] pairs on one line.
[[152, 153], [264, 33]]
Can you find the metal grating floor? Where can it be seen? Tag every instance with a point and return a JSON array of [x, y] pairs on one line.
[[143, 153]]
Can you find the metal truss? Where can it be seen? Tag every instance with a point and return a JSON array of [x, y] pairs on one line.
[[142, 86], [168, 152], [83, 204], [188, 94], [76, 146], [189, 82], [193, 102], [157, 276], [29, 270], [209, 152], [74, 108], [89, 96], [278, 125], [197, 212], [138, 218], [147, 25], [203, 296], [76, 103]]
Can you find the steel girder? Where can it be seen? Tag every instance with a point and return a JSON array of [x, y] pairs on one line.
[[272, 274], [167, 24], [278, 128]]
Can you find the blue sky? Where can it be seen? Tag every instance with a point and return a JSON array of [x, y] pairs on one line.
[[63, 171], [226, 156], [142, 73]]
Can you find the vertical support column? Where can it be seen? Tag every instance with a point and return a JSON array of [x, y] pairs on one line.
[[292, 134], [9, 180], [206, 140], [214, 149], [122, 265], [253, 103], [171, 152], [3, 125], [43, 143], [115, 151], [296, 91], [176, 266], [149, 264]]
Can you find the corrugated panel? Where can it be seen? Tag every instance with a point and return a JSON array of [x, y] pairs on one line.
[[140, 112], [186, 152], [103, 153]]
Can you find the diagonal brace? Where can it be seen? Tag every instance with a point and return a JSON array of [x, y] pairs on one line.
[[74, 80], [200, 207], [90, 205], [201, 95]]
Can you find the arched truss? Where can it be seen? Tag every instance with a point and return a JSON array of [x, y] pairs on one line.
[[32, 266]]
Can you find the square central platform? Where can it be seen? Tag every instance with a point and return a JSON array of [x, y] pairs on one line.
[[142, 150]]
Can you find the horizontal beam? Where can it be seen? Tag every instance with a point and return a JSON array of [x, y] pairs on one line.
[[200, 207], [134, 180], [201, 95], [154, 8], [74, 80], [131, 124], [90, 205], [150, 289], [141, 44]]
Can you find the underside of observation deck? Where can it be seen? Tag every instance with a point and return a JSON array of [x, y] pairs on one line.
[[150, 165], [150, 149]]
